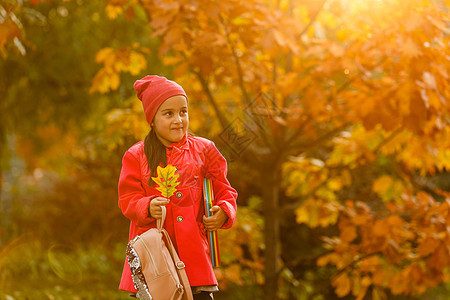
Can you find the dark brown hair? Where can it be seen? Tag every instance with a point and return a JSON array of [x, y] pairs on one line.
[[155, 152]]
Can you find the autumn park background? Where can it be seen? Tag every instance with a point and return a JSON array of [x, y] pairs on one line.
[[334, 116]]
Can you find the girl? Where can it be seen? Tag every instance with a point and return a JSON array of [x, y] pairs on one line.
[[166, 110]]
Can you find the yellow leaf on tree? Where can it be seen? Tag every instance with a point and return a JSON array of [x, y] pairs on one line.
[[380, 276], [348, 233], [137, 63], [382, 184], [103, 54], [440, 258], [113, 11], [316, 212], [115, 62], [335, 184], [166, 180], [381, 228], [388, 188], [331, 258], [342, 284]]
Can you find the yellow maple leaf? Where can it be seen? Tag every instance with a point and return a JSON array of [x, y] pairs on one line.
[[166, 180]]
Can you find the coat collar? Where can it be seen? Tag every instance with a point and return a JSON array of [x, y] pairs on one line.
[[181, 144]]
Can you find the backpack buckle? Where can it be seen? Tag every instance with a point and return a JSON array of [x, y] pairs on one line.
[[180, 265]]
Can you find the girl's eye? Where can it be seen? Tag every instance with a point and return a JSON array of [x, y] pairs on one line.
[[169, 113], [184, 112]]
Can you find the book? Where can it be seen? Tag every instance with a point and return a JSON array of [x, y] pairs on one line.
[[208, 197]]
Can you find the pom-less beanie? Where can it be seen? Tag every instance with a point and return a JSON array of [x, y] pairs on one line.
[[153, 90]]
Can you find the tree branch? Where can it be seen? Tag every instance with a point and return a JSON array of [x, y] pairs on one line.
[[350, 266], [313, 18], [388, 139], [219, 113], [237, 63], [250, 156], [309, 146], [298, 132], [291, 206]]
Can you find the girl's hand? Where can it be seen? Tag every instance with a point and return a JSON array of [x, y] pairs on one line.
[[216, 220], [155, 207]]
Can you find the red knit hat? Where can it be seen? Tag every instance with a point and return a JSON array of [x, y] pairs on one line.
[[153, 90]]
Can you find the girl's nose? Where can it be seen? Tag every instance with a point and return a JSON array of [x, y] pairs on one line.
[[178, 119]]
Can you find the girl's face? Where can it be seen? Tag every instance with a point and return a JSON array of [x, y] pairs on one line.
[[171, 121]]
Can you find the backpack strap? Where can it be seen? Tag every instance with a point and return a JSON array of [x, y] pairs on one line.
[[160, 222], [179, 265]]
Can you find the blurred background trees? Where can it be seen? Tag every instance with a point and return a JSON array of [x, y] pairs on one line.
[[333, 115]]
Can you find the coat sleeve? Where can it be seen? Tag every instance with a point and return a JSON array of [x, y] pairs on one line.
[[133, 200], [224, 194]]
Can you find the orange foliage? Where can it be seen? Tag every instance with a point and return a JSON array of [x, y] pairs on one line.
[[363, 81], [10, 30], [386, 254], [127, 59]]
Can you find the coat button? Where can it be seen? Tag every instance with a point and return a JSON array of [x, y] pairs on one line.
[[180, 219], [179, 195]]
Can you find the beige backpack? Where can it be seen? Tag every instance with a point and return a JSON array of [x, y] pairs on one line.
[[156, 270]]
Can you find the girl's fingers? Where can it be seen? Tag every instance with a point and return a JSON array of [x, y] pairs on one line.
[[160, 201], [214, 209], [155, 206], [217, 220], [211, 223]]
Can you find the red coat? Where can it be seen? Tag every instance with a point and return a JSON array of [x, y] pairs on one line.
[[195, 158]]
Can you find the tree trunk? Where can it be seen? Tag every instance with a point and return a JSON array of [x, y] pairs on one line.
[[271, 185]]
